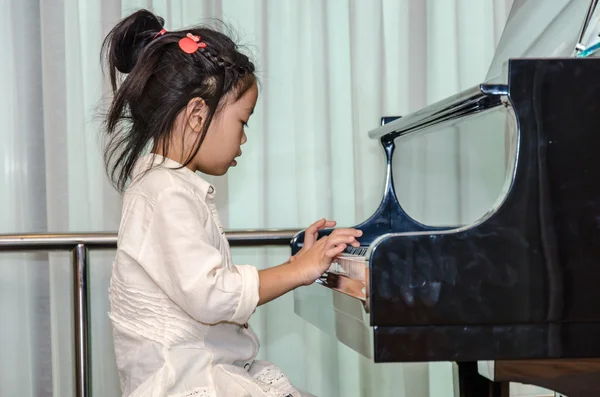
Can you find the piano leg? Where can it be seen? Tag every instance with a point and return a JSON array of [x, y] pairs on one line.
[[472, 384]]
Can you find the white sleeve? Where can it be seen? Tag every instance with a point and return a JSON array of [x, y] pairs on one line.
[[177, 254]]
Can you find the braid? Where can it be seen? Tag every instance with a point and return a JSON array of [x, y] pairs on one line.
[[243, 67]]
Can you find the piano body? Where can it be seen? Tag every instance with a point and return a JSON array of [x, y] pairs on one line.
[[515, 295]]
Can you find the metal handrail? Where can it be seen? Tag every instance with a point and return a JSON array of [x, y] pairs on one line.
[[79, 245], [65, 241]]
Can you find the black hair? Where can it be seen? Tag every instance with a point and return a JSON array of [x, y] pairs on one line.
[[153, 79]]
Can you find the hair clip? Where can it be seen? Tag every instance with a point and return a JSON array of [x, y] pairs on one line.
[[163, 31], [190, 43]]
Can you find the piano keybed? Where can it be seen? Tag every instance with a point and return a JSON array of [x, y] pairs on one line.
[[351, 263]]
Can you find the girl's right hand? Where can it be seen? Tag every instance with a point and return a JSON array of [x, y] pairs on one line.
[[317, 259], [311, 235]]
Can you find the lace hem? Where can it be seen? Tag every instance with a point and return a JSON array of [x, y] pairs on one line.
[[277, 384]]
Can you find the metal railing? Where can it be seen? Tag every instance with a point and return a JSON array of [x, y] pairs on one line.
[[79, 244]]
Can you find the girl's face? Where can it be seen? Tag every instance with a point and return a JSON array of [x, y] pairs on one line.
[[225, 136]]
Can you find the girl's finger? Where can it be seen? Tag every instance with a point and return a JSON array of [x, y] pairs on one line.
[[319, 225], [329, 224], [335, 251], [347, 232], [336, 240], [322, 241], [316, 226], [310, 235]]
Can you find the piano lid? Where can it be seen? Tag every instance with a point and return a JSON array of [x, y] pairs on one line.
[[534, 29], [544, 29]]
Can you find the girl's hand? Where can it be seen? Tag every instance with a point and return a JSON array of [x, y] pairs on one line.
[[317, 259], [311, 234]]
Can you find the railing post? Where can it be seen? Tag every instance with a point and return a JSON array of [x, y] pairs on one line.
[[81, 321]]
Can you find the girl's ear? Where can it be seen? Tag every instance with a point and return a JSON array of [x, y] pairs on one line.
[[195, 114]]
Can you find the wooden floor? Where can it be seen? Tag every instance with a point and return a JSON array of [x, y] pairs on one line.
[[573, 378]]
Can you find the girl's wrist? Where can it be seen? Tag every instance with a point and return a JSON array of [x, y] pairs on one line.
[[296, 271]]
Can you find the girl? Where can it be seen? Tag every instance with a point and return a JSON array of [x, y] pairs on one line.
[[179, 307]]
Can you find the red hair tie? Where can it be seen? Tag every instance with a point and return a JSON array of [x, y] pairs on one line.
[[190, 43], [163, 31]]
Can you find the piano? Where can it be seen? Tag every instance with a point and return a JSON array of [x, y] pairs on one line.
[[514, 294]]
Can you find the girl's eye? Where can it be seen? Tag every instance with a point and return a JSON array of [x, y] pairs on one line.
[[245, 125]]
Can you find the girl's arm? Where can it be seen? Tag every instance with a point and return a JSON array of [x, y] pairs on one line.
[[277, 281]]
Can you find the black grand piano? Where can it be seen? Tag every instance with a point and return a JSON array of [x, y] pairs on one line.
[[513, 294]]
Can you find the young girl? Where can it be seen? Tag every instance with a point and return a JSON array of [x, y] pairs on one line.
[[179, 307]]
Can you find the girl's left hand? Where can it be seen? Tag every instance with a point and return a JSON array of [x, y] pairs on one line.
[[311, 234]]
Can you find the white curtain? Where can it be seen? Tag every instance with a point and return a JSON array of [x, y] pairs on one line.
[[328, 69]]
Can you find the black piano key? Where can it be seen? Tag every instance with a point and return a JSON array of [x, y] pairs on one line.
[[358, 251]]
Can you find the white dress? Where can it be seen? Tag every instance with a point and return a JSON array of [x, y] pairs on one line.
[[179, 307]]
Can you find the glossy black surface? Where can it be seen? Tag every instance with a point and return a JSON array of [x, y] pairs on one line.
[[525, 283]]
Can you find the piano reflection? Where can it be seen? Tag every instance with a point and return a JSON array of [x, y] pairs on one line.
[[513, 295]]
